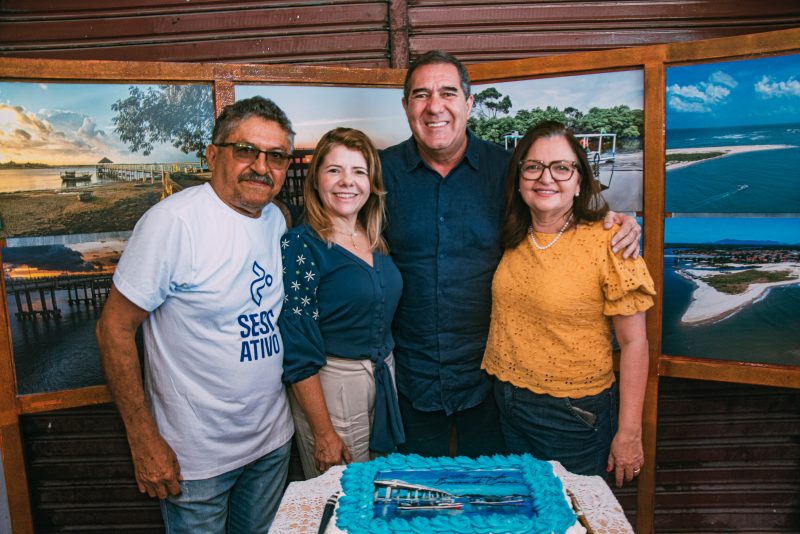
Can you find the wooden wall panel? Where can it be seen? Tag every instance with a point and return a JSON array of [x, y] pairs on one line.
[[728, 458], [81, 475], [336, 32], [477, 31]]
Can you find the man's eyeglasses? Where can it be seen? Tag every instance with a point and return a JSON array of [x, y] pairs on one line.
[[247, 153], [561, 171]]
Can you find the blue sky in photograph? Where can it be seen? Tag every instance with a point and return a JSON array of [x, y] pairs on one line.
[[784, 231], [68, 124], [734, 93], [585, 91], [314, 110]]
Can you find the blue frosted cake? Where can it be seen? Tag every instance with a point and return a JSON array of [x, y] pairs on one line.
[[410, 494]]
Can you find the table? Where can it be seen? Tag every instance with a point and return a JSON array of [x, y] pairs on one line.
[[300, 510]]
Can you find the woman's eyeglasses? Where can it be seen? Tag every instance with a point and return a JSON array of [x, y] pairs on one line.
[[532, 169]]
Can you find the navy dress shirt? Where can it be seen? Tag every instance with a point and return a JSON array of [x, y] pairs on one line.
[[444, 236], [337, 305]]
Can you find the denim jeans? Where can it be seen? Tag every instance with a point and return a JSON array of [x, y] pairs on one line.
[[575, 432], [428, 433], [243, 500]]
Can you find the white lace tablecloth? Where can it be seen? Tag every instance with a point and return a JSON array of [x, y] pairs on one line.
[[301, 507]]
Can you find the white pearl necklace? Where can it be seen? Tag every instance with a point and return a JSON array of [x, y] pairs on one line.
[[551, 243]]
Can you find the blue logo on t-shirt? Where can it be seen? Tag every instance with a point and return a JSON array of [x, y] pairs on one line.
[[257, 285], [260, 339]]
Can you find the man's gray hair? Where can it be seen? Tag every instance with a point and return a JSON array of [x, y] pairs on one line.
[[257, 106]]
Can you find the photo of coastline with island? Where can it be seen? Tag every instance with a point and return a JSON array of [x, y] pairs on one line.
[[88, 158], [732, 289], [733, 136]]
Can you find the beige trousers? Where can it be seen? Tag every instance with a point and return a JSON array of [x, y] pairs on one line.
[[349, 389]]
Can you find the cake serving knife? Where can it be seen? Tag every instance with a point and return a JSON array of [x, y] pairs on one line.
[[327, 512], [579, 513]]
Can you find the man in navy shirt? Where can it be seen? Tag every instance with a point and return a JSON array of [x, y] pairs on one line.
[[445, 207]]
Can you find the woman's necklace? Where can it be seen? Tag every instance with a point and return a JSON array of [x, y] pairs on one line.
[[554, 241], [352, 236]]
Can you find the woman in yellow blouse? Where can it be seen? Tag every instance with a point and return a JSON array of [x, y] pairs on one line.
[[558, 288]]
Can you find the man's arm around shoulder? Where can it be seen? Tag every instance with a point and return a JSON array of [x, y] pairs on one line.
[[154, 462]]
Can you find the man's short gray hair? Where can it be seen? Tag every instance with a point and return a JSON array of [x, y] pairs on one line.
[[257, 106]]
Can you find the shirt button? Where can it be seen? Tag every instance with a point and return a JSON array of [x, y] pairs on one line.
[[441, 219]]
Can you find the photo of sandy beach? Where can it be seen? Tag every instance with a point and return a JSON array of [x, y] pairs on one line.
[[55, 290], [732, 289], [733, 137], [88, 158]]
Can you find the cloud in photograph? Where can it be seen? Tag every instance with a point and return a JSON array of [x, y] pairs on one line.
[[68, 124], [53, 137], [48, 258], [702, 97], [766, 87], [314, 110]]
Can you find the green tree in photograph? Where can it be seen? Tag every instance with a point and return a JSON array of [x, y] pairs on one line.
[[489, 102], [182, 115]]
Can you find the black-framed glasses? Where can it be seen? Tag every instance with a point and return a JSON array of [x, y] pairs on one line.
[[247, 153], [560, 170]]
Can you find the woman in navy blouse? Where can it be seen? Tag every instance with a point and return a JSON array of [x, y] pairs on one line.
[[342, 290]]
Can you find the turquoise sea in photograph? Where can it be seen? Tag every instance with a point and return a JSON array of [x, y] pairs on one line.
[[753, 322], [759, 181], [733, 136]]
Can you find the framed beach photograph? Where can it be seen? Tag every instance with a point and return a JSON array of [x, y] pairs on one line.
[[732, 289], [79, 165], [88, 158], [733, 136], [604, 110], [55, 290], [313, 110]]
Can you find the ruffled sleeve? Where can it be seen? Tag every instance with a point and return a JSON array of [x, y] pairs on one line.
[[304, 352], [628, 287]]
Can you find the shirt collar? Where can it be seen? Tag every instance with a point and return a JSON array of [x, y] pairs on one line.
[[413, 160]]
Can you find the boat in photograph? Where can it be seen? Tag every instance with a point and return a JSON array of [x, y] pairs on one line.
[[70, 177]]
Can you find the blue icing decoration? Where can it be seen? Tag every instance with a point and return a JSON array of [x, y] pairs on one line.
[[356, 513]]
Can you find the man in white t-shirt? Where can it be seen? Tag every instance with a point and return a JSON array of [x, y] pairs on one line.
[[209, 428]]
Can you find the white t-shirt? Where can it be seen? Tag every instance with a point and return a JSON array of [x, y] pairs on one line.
[[211, 279]]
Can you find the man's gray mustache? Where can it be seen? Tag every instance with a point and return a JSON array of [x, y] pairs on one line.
[[258, 178]]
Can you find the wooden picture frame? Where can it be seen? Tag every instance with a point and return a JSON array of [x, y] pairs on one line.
[[652, 60]]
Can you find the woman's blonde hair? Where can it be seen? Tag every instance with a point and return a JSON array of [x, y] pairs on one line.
[[372, 213]]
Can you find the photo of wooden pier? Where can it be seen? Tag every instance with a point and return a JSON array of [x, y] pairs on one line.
[[112, 198], [55, 293], [453, 492]]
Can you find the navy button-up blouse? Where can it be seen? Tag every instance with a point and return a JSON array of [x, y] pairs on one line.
[[337, 305], [444, 234]]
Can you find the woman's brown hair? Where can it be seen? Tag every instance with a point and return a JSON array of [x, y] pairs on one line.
[[588, 206]]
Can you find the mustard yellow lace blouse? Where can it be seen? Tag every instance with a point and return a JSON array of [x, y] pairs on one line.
[[550, 328]]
